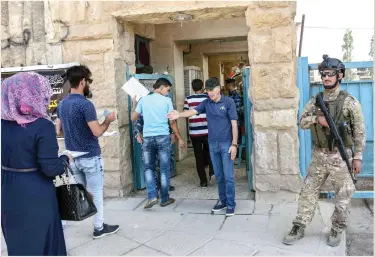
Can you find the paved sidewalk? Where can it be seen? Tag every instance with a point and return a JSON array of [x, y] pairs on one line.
[[188, 228]]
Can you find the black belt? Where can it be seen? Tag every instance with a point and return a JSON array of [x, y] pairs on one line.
[[18, 170]]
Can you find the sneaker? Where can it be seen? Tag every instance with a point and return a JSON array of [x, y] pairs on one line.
[[170, 201], [151, 203], [219, 207], [107, 230], [230, 212], [297, 232], [334, 238], [204, 185]]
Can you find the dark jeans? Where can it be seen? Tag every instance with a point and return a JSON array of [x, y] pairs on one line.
[[202, 157], [157, 172], [161, 146], [157, 168], [224, 172]]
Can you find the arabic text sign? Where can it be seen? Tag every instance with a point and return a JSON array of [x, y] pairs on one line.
[[60, 88]]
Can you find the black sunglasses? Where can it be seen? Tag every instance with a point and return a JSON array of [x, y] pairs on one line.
[[328, 73], [89, 80]]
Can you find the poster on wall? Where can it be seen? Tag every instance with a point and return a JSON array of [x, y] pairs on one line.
[[56, 77]]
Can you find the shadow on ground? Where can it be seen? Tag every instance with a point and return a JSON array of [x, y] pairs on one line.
[[187, 182]]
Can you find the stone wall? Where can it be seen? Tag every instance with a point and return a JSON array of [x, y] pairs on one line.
[[53, 32], [85, 32], [275, 97]]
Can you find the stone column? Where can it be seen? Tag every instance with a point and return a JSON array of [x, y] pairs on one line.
[[17, 50], [179, 93], [5, 47], [123, 56], [275, 96]]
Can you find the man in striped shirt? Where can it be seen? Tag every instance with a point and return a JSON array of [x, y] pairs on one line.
[[198, 132]]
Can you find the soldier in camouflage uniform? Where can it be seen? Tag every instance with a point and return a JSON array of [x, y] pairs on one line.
[[326, 160]]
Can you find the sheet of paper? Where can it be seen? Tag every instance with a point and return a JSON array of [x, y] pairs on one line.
[[110, 134], [134, 87], [74, 154]]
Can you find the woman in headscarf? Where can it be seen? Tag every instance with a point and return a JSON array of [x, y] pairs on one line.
[[30, 217]]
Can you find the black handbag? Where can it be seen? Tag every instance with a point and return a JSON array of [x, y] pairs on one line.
[[75, 203]]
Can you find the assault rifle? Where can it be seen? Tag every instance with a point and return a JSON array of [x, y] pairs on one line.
[[335, 134]]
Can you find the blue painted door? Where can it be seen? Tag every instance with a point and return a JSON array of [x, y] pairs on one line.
[[137, 165], [248, 137], [362, 90]]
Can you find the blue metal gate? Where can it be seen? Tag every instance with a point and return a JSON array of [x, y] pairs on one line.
[[362, 90], [247, 139], [137, 164]]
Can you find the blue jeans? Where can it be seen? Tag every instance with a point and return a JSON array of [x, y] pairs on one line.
[[157, 177], [161, 146], [90, 173], [224, 172]]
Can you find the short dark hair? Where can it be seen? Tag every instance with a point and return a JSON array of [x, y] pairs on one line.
[[161, 82], [197, 84], [228, 81], [76, 73]]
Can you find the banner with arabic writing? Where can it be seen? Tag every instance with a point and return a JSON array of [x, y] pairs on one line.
[[60, 88]]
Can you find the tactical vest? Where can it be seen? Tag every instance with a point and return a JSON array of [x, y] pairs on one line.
[[321, 136]]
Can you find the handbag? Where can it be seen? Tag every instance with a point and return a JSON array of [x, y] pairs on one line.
[[75, 203]]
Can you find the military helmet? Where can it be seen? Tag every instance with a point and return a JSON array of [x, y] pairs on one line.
[[331, 63]]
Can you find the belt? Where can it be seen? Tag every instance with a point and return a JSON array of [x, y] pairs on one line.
[[18, 170], [326, 150]]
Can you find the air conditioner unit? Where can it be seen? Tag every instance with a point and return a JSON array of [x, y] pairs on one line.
[[191, 73]]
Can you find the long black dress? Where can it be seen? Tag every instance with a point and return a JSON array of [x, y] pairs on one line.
[[30, 217]]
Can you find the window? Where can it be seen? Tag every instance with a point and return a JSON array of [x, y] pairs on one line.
[[142, 51]]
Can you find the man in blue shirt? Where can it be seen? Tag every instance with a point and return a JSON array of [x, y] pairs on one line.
[[222, 139], [78, 123], [156, 140], [138, 135]]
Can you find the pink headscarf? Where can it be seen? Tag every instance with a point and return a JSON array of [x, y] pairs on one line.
[[25, 97]]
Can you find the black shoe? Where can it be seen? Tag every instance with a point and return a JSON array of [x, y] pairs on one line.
[[151, 203], [204, 185], [171, 188], [230, 212], [170, 201], [219, 207], [107, 230]]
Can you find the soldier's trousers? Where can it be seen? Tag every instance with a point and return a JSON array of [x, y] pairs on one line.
[[324, 164]]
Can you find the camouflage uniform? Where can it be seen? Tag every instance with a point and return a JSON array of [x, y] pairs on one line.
[[325, 163]]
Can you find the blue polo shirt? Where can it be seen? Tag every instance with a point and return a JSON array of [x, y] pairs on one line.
[[219, 116], [75, 111], [154, 108]]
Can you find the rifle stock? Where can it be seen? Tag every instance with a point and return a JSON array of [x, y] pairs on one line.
[[336, 135]]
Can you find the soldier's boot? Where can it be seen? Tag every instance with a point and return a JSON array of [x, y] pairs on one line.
[[334, 238], [297, 232]]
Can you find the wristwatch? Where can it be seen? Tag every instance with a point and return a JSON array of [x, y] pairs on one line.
[[235, 145]]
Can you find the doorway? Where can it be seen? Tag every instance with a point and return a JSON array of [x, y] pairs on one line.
[[173, 53]]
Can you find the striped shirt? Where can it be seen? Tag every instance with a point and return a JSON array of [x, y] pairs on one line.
[[197, 123]]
